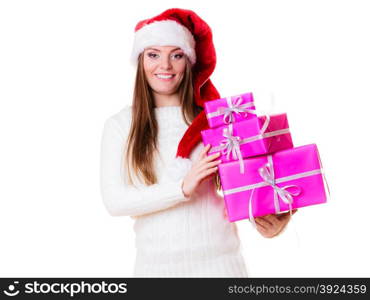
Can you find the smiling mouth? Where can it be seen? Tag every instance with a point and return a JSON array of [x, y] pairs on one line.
[[160, 76]]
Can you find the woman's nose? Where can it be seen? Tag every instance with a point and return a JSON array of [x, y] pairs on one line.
[[166, 63]]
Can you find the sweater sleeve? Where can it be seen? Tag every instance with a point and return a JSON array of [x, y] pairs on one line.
[[121, 199]]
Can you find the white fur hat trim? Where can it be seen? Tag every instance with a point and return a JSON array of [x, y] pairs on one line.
[[164, 33]]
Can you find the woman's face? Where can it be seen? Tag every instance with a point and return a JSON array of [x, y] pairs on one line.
[[164, 68]]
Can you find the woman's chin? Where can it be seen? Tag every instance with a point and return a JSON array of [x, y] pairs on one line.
[[165, 92]]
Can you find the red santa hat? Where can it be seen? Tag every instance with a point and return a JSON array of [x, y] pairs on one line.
[[185, 29]]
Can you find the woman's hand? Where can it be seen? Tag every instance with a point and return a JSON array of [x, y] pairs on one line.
[[204, 167], [271, 225]]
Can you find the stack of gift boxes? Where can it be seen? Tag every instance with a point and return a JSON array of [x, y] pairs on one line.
[[261, 171]]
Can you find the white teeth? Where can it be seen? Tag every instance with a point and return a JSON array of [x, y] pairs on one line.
[[164, 76]]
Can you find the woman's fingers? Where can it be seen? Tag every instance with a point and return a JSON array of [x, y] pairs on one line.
[[260, 223], [210, 157], [286, 215], [273, 219], [207, 172], [204, 151], [201, 164], [262, 229], [210, 165], [201, 169], [264, 222], [272, 225], [284, 219]]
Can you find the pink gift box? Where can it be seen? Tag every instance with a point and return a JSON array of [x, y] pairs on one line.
[[297, 170], [252, 143], [242, 109]]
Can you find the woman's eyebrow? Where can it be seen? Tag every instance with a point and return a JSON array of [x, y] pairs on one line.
[[160, 50]]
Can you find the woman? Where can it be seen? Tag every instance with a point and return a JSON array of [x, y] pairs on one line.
[[154, 167]]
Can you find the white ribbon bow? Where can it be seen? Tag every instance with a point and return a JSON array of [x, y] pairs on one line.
[[234, 106], [231, 145], [268, 176]]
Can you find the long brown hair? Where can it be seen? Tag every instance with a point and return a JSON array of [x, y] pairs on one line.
[[142, 139]]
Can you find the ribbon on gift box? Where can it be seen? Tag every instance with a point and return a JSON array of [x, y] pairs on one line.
[[232, 143], [234, 105], [250, 139], [267, 175]]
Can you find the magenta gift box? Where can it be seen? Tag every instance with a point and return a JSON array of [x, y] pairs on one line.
[[276, 137], [242, 104], [300, 166]]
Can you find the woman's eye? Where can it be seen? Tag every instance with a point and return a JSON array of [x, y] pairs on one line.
[[152, 55], [178, 55]]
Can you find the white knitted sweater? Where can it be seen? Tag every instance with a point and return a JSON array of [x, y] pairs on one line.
[[175, 236]]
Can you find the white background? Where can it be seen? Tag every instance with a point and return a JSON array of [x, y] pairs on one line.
[[64, 69]]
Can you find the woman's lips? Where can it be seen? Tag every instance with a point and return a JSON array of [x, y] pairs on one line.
[[165, 77]]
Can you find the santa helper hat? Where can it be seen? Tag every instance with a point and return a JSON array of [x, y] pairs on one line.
[[184, 29]]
